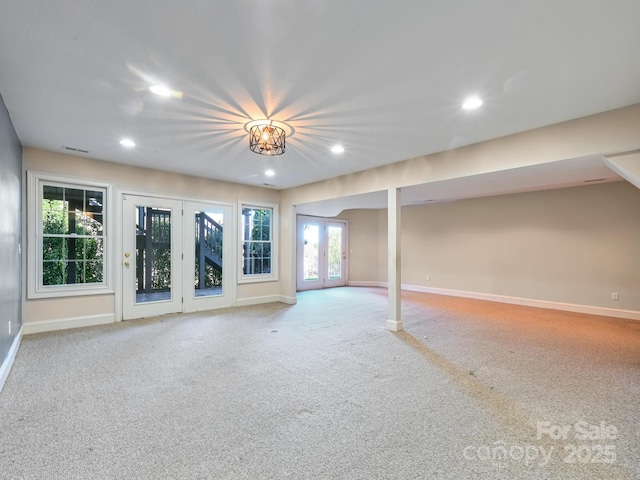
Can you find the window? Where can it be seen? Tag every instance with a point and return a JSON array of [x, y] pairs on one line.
[[69, 248], [258, 259]]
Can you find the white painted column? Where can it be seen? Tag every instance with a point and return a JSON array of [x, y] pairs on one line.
[[394, 322]]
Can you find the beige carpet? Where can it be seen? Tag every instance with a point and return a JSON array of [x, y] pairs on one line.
[[321, 390]]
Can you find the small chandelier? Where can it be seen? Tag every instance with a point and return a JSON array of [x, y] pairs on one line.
[[267, 137]]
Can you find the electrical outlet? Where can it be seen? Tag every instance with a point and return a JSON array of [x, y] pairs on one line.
[[428, 278], [614, 296]]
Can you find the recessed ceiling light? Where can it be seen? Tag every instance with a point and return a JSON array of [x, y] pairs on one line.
[[471, 103], [160, 90], [127, 142], [337, 149], [269, 173]]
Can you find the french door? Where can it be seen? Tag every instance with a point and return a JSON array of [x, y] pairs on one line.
[[321, 253], [176, 256], [152, 251], [207, 262]]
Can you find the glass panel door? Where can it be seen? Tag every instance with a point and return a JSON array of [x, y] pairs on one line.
[[152, 251], [336, 254], [321, 257], [310, 250], [207, 261], [311, 253]]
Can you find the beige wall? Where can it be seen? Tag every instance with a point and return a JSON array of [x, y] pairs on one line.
[[613, 131], [574, 245], [383, 246], [363, 244], [136, 180], [609, 132], [144, 180]]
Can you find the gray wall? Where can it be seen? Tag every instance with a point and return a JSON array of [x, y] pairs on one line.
[[10, 233]]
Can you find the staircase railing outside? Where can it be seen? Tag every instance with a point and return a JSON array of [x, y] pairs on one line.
[[153, 230], [208, 234], [153, 243]]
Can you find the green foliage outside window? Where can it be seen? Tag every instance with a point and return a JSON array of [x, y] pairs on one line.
[[161, 259], [154, 258], [72, 236], [334, 253], [212, 277], [257, 255]]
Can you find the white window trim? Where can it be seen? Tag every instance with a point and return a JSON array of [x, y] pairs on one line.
[[35, 289], [267, 277]]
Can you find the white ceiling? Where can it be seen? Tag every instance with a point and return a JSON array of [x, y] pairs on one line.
[[385, 79]]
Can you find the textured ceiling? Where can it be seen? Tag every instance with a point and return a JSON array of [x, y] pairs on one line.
[[385, 79]]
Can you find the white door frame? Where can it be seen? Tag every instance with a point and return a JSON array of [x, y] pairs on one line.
[[229, 239], [342, 281], [130, 307], [193, 303]]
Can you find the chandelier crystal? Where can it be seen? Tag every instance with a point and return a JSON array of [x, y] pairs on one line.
[[268, 137], [267, 140]]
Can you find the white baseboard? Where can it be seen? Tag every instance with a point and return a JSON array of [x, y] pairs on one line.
[[367, 284], [244, 302], [5, 368], [394, 325], [65, 323], [529, 302], [288, 300]]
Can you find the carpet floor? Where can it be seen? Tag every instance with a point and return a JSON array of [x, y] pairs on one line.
[[321, 390]]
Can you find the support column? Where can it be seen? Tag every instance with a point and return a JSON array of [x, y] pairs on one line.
[[394, 322]]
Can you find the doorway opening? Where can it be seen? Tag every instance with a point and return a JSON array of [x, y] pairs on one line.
[[321, 253]]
